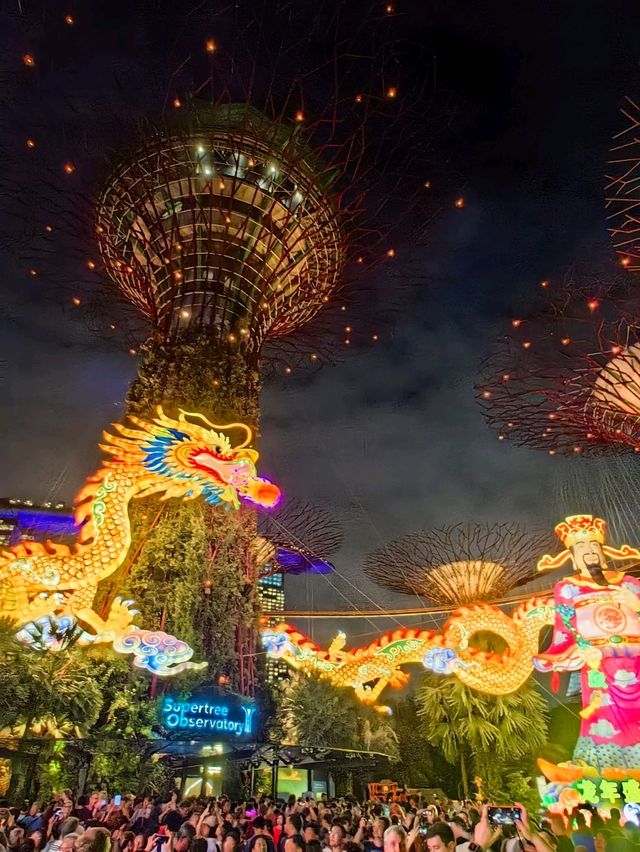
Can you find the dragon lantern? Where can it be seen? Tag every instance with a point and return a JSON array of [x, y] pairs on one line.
[[171, 458]]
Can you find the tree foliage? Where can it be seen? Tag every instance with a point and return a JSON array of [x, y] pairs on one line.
[[490, 735], [314, 712]]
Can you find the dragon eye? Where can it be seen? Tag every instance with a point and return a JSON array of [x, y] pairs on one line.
[[217, 450]]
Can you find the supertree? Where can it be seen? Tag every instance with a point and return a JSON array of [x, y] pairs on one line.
[[298, 538], [566, 379], [235, 171], [459, 564]]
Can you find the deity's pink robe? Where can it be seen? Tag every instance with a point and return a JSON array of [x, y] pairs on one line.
[[590, 617]]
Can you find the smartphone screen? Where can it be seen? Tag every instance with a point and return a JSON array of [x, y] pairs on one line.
[[504, 815], [385, 810], [117, 799], [423, 825]]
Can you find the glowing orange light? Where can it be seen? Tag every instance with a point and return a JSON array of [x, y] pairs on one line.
[[590, 436], [391, 252], [565, 341], [544, 284], [221, 184], [625, 261], [553, 416], [516, 323], [48, 228], [32, 273], [343, 307], [552, 452], [577, 449], [358, 99], [593, 304], [347, 329], [69, 168], [76, 301], [287, 370], [510, 425], [506, 377], [177, 103], [28, 60], [210, 46], [299, 116], [375, 338], [636, 449], [313, 356], [232, 338], [392, 92], [177, 275], [389, 8], [112, 326], [133, 352], [347, 341], [31, 143], [69, 20], [223, 680], [501, 437], [526, 344], [459, 202], [486, 394], [427, 184], [616, 350]]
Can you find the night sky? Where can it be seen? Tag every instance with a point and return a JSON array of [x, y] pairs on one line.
[[391, 438]]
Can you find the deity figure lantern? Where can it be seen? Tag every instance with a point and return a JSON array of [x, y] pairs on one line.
[[597, 632]]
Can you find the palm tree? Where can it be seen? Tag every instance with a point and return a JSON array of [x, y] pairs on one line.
[[487, 734]]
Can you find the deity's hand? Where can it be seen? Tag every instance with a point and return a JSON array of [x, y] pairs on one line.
[[629, 598], [592, 656]]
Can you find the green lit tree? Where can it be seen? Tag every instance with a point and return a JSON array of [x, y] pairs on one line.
[[488, 736]]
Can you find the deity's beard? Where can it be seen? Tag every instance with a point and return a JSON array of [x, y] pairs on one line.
[[595, 570]]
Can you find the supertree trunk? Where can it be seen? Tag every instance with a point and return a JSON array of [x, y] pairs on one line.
[[192, 566]]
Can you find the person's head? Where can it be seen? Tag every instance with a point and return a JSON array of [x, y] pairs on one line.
[[459, 827], [293, 825], [580, 821], [614, 816], [69, 841], [440, 838], [16, 836], [295, 843], [184, 837], [199, 844], [35, 808], [314, 846], [69, 826], [231, 842], [95, 839], [337, 836], [311, 832], [260, 844], [395, 839]]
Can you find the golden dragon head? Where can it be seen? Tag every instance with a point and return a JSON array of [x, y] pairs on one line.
[[184, 459]]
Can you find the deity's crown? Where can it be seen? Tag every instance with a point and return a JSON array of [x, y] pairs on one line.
[[577, 528]]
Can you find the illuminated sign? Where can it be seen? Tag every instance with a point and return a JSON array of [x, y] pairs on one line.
[[208, 714]]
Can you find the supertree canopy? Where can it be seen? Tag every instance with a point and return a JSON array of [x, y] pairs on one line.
[[567, 378], [226, 224], [622, 189], [298, 538], [459, 564]]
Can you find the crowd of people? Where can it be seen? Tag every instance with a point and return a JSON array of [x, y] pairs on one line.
[[98, 823]]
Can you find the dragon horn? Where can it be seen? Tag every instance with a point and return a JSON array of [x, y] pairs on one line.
[[226, 428]]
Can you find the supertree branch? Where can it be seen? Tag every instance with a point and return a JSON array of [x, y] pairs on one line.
[[567, 378], [458, 564], [298, 538], [623, 188]]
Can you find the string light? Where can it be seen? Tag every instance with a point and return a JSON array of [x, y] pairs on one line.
[[91, 265], [31, 143], [391, 252], [313, 356], [565, 341], [210, 46], [299, 116], [69, 168], [48, 228], [486, 394], [392, 92], [287, 370], [348, 329], [28, 60], [616, 350], [177, 103], [516, 323], [375, 338], [544, 284], [358, 99], [389, 8], [69, 20], [459, 202], [625, 261], [593, 304], [133, 352], [33, 273], [427, 184], [75, 301], [526, 344]]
